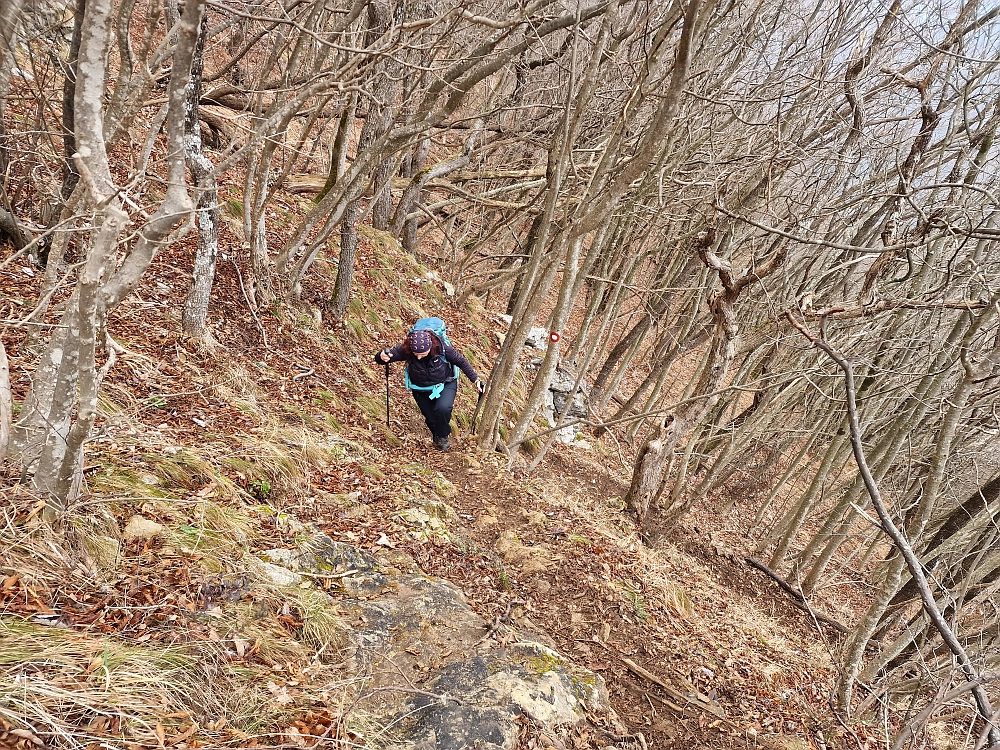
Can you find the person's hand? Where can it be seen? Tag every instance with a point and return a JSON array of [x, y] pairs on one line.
[[481, 385], [384, 356]]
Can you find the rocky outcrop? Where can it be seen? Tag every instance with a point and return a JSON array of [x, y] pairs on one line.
[[431, 668], [557, 401], [557, 398], [487, 694]]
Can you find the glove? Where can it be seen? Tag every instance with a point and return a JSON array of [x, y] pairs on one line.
[[481, 385]]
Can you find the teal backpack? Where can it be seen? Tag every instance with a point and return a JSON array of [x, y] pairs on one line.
[[437, 327]]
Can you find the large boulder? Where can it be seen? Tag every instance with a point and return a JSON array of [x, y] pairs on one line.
[[431, 667], [483, 697]]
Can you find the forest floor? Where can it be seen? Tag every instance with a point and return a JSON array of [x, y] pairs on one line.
[[255, 428]]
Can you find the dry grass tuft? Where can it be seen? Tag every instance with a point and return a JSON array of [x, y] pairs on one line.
[[76, 689], [61, 683], [183, 469], [73, 689]]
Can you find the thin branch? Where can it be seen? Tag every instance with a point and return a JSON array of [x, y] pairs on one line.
[[899, 540]]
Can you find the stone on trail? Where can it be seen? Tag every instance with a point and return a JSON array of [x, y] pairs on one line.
[[142, 528], [323, 557]]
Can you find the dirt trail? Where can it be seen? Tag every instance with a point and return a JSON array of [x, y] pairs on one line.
[[739, 664]]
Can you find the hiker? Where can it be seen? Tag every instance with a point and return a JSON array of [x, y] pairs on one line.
[[432, 366]]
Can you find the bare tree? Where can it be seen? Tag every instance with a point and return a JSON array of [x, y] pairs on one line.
[[207, 210], [60, 410]]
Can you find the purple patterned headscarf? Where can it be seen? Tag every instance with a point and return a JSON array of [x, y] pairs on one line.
[[421, 341]]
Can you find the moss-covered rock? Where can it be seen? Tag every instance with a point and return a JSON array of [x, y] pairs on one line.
[[405, 626]]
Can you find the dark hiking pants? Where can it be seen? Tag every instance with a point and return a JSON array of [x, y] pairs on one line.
[[437, 411]]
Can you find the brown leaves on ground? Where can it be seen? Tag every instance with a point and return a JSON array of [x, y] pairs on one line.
[[555, 540]]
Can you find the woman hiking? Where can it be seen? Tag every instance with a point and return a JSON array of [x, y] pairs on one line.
[[432, 366]]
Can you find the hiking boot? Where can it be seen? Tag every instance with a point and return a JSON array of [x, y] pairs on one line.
[[442, 444]]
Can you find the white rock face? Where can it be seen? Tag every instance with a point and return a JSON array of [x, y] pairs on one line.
[[277, 575], [538, 338]]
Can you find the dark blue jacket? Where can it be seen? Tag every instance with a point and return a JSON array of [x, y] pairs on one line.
[[436, 367]]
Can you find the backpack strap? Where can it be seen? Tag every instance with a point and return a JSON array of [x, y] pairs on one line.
[[435, 390], [443, 341]]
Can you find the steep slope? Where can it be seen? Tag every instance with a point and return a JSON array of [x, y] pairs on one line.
[[207, 456]]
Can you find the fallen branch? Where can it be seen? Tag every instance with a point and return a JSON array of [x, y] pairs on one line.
[[500, 174], [618, 739], [327, 576], [846, 312], [699, 701], [312, 183], [443, 697], [500, 620], [797, 597], [6, 403], [640, 690], [306, 372]]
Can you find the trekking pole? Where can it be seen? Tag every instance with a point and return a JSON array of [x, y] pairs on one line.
[[387, 394]]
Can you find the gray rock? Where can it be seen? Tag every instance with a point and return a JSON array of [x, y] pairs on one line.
[[425, 621], [563, 380], [561, 387], [486, 694], [478, 716], [324, 555], [286, 558], [570, 434], [142, 528], [538, 338], [462, 727], [276, 574], [410, 630], [364, 585], [577, 407]]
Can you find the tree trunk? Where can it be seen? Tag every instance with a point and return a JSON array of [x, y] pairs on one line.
[[903, 545], [411, 194], [10, 13], [61, 407], [6, 403], [70, 175], [651, 464], [345, 267], [788, 527], [207, 208], [543, 378]]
